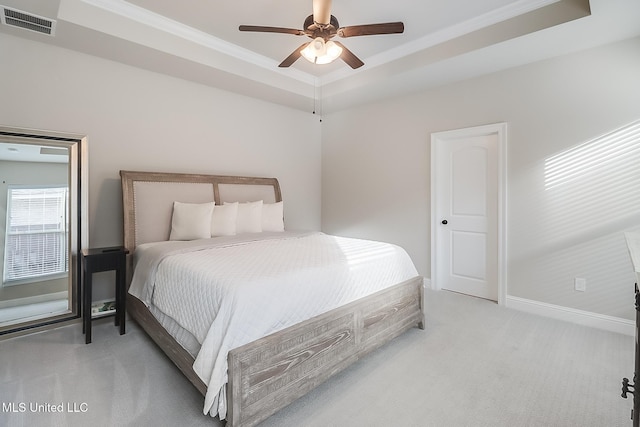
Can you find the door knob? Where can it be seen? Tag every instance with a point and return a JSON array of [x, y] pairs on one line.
[[444, 222]]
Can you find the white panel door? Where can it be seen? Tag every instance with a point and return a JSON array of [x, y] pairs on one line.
[[465, 192]]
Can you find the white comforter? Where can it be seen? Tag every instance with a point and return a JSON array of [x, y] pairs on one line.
[[228, 291]]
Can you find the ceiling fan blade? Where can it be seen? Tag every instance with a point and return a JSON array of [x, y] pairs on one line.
[[348, 57], [261, 29], [322, 11], [371, 29], [289, 60]]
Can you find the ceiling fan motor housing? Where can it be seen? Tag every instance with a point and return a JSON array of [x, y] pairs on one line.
[[315, 30]]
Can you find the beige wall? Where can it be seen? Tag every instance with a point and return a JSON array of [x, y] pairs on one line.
[[373, 176], [139, 120], [376, 173]]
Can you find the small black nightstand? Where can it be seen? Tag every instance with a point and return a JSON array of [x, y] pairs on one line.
[[104, 259]]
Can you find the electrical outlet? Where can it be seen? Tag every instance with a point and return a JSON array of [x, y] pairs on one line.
[[580, 284]]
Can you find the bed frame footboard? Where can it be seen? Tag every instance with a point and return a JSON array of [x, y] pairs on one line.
[[268, 374]]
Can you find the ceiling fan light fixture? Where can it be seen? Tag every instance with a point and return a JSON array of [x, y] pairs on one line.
[[333, 52], [314, 50], [321, 52]]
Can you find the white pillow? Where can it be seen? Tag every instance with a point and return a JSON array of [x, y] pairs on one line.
[[224, 219], [273, 216], [249, 217], [191, 221]]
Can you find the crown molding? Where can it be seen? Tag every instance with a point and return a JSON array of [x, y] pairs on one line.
[[162, 23], [433, 39]]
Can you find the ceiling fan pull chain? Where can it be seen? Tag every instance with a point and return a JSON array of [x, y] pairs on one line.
[[317, 99]]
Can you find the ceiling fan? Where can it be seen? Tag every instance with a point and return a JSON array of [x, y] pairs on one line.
[[321, 27]]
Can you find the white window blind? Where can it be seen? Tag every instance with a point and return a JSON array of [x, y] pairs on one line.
[[36, 238]]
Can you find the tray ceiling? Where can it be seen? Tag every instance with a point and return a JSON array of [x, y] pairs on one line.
[[443, 41]]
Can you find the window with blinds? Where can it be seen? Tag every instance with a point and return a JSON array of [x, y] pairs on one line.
[[36, 237]]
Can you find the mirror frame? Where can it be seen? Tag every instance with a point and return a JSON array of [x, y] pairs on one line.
[[79, 224]]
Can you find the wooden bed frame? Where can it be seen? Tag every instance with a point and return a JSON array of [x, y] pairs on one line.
[[267, 374]]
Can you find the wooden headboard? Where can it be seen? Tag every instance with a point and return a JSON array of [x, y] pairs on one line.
[[147, 199]]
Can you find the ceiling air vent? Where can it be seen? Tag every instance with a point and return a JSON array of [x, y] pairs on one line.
[[27, 21]]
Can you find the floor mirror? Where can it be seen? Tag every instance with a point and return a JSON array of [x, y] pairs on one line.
[[43, 219]]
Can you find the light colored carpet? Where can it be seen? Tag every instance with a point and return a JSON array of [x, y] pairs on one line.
[[476, 364]]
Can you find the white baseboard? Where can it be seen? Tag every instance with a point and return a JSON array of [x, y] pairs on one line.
[[586, 318], [36, 299]]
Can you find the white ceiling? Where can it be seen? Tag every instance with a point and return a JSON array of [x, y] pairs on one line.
[[444, 41], [33, 153]]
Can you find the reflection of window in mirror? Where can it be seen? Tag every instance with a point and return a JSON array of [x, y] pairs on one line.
[[36, 234]]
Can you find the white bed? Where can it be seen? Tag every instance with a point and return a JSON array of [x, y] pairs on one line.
[[255, 320]]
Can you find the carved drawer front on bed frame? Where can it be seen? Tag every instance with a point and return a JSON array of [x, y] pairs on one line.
[[271, 376], [388, 317]]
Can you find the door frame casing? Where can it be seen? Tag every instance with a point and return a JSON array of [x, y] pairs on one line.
[[438, 138]]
